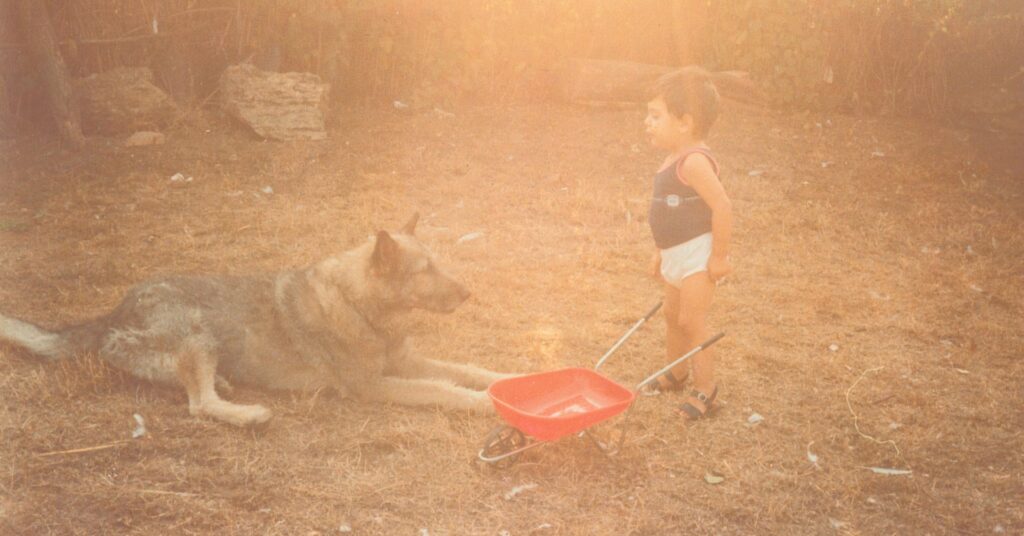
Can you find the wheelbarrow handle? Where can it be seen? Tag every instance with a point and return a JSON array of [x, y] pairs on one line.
[[627, 335], [672, 365], [653, 310], [712, 340]]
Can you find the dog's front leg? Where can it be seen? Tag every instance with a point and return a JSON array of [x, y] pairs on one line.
[[407, 364], [424, 392], [466, 375]]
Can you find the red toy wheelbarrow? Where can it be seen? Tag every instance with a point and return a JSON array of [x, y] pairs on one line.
[[541, 408]]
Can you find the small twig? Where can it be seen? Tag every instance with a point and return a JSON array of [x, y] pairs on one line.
[[162, 492], [85, 449], [856, 418], [883, 399], [112, 40], [206, 99], [313, 399]]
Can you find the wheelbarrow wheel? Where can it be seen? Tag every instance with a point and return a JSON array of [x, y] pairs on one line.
[[502, 440]]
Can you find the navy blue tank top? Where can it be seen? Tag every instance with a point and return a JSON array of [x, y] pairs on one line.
[[678, 213]]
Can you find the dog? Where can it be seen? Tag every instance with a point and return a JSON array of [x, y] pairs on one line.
[[335, 324]]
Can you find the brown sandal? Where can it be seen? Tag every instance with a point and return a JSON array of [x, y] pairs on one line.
[[691, 411]]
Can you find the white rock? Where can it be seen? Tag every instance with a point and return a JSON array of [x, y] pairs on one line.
[[140, 426], [511, 494], [469, 237]]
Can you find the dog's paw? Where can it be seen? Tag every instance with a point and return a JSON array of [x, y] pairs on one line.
[[498, 376], [482, 404], [257, 415], [222, 385]]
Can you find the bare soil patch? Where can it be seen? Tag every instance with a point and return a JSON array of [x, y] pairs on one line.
[[896, 244]]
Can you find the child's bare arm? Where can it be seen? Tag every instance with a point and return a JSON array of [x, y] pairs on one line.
[[701, 177]]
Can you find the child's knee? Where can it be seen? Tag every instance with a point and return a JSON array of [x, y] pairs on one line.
[[689, 324]]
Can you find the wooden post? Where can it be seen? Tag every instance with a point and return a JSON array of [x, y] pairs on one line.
[[42, 44]]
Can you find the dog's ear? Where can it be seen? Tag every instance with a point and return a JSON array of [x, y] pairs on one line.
[[385, 252], [410, 226]]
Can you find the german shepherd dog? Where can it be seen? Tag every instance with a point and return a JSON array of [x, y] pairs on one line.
[[336, 324]]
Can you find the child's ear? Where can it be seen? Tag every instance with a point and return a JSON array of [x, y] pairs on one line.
[[686, 123]]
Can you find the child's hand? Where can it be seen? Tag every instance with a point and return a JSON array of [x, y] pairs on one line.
[[719, 268], [655, 270]]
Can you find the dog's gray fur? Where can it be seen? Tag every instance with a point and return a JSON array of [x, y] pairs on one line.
[[335, 324]]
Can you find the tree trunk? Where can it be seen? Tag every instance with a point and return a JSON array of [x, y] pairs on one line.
[[689, 21], [42, 43]]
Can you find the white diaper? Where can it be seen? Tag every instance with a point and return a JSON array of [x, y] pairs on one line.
[[686, 259]]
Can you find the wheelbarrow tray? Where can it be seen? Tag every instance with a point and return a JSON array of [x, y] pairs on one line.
[[550, 405]]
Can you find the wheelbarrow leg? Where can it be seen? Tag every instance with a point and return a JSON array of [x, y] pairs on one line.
[[503, 446], [605, 448], [610, 448]]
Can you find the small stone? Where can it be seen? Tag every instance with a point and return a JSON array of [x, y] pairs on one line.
[[712, 478], [469, 237], [143, 138], [140, 426]]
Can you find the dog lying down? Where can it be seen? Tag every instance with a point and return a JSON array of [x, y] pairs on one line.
[[334, 324]]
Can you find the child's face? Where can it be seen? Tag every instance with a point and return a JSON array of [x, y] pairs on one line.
[[665, 129]]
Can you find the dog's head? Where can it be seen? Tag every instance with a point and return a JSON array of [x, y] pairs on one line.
[[406, 272]]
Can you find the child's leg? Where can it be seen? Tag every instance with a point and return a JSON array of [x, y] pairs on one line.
[[675, 340], [695, 293]]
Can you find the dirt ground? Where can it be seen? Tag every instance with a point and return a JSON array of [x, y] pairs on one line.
[[876, 319]]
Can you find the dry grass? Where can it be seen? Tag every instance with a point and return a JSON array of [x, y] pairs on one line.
[[869, 253]]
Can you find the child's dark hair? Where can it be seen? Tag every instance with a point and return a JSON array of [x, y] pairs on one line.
[[690, 91]]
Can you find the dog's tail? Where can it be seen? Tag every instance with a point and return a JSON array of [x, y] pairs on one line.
[[34, 338]]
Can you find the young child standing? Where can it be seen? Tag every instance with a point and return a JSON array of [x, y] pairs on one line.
[[691, 220]]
